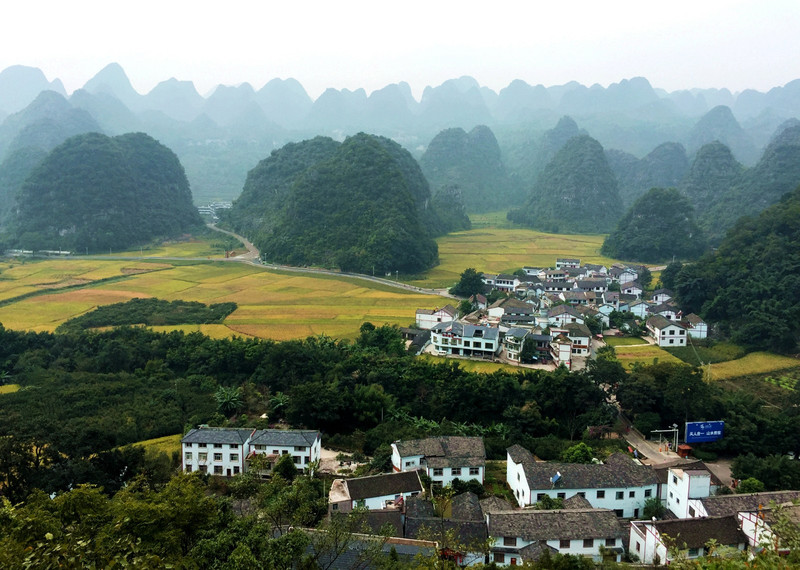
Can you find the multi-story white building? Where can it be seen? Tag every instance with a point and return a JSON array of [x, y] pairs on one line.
[[513, 342], [621, 484], [465, 340], [581, 532], [226, 451], [695, 326], [665, 332], [443, 458], [683, 485]]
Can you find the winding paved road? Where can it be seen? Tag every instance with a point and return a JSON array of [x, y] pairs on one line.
[[253, 256]]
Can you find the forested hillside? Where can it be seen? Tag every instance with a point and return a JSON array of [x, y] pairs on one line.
[[472, 162], [362, 205], [749, 285], [658, 227], [576, 192], [97, 193]]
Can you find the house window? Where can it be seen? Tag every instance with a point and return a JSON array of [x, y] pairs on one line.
[[601, 494], [201, 445], [217, 469], [499, 557], [187, 456], [670, 494], [672, 341], [693, 552], [474, 471], [611, 542], [489, 346], [563, 543], [261, 447], [306, 459], [297, 459], [188, 468], [638, 547], [648, 492], [234, 446], [217, 457], [631, 494], [619, 512], [477, 344], [467, 343], [300, 448], [681, 332], [456, 471], [509, 541], [438, 471], [582, 494], [217, 446], [539, 496], [234, 457], [588, 543], [235, 469], [203, 468], [409, 463], [202, 456], [561, 495], [518, 476], [692, 512], [276, 452]]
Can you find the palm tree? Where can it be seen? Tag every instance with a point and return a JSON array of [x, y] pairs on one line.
[[229, 400]]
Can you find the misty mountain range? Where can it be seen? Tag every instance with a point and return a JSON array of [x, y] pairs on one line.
[[219, 138]]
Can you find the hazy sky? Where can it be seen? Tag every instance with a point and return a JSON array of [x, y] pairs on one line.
[[679, 44]]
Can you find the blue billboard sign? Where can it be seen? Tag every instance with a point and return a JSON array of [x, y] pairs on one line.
[[699, 432]]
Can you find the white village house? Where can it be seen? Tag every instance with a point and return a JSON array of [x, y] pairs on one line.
[[376, 492], [665, 332], [443, 458], [621, 484], [225, 451], [429, 318]]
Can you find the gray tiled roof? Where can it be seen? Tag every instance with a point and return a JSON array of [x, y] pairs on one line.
[[533, 524], [383, 485], [721, 505], [695, 533], [495, 504], [660, 322], [662, 470], [463, 330], [466, 507], [577, 502], [618, 471], [282, 437], [217, 435], [443, 446]]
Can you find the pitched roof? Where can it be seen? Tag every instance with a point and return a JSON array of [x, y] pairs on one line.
[[693, 319], [517, 333], [449, 446], [696, 532], [217, 435], [663, 292], [494, 505], [465, 330], [563, 310], [519, 454], [662, 470], [466, 507], [618, 471], [577, 502], [720, 505], [383, 485], [285, 437], [531, 524], [661, 322]]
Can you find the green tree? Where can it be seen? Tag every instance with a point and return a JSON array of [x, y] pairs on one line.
[[653, 508], [469, 284], [578, 453], [229, 400], [750, 485]]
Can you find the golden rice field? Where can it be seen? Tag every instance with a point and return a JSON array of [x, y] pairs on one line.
[[502, 250], [272, 304], [188, 248], [628, 355], [9, 388], [753, 363], [168, 444]]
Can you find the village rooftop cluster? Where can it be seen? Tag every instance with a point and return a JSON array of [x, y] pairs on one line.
[[597, 507], [550, 308]]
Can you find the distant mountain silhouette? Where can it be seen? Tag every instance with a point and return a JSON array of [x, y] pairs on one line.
[[20, 85], [284, 101], [719, 124], [112, 80], [664, 167], [176, 99]]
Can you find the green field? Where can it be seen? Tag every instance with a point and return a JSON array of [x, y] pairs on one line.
[[623, 340], [9, 388], [718, 352], [474, 365]]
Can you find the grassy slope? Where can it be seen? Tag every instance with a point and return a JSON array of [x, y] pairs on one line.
[[9, 388], [168, 444]]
